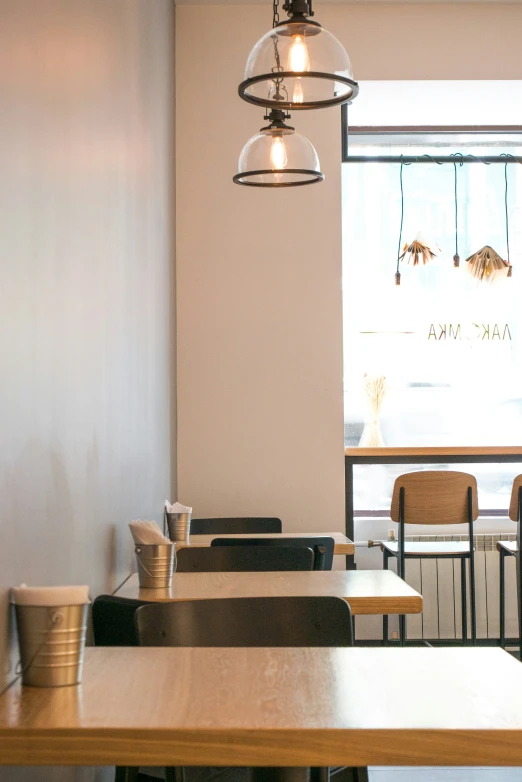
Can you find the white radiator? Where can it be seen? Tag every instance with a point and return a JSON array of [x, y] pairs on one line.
[[438, 580]]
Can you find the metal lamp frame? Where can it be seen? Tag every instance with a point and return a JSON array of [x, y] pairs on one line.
[[315, 176], [324, 104], [277, 119], [299, 12]]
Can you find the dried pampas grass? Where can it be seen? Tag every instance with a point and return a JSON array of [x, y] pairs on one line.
[[417, 251], [486, 265], [375, 389]]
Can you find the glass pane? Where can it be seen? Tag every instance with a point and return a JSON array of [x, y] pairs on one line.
[[448, 346]]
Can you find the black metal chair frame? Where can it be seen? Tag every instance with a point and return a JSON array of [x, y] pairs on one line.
[[502, 577], [402, 556]]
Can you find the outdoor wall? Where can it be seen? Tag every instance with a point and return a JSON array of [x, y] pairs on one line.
[[259, 271], [86, 294]]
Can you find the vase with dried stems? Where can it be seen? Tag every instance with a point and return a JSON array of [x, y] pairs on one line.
[[375, 389]]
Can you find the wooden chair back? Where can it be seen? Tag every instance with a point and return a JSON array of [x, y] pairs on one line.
[[515, 493], [236, 526], [435, 497], [247, 621], [323, 547], [243, 559]]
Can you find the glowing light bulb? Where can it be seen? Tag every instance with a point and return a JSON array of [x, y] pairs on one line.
[[298, 59], [298, 96], [278, 156]]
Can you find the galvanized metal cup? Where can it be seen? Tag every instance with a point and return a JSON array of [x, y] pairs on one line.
[[155, 565], [179, 526], [52, 643]]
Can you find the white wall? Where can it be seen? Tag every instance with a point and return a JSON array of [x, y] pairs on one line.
[[259, 272], [86, 292]]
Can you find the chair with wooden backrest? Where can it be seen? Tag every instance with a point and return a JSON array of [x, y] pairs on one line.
[[243, 559], [263, 621], [323, 547], [246, 621], [248, 525], [511, 548], [436, 497]]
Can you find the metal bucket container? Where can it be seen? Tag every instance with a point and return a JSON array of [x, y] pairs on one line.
[[52, 643], [179, 526], [155, 565]]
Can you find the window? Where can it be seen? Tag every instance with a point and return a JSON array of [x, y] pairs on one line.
[[449, 347]]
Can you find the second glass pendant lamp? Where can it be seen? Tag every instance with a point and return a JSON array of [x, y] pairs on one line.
[[277, 156]]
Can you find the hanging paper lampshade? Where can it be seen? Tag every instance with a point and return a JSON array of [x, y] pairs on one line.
[[486, 265], [277, 156], [298, 65], [418, 251]]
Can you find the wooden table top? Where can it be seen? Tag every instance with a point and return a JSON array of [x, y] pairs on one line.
[[450, 450], [343, 545], [367, 591], [313, 707]]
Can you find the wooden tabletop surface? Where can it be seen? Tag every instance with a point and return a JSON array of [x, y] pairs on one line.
[[367, 591], [343, 545], [286, 706], [450, 450]]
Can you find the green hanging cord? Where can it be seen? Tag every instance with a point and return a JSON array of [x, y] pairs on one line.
[[397, 273], [456, 257], [510, 268], [508, 157]]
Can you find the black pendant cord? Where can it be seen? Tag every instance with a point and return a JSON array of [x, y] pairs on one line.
[[508, 159], [456, 257], [456, 214], [506, 210], [397, 272]]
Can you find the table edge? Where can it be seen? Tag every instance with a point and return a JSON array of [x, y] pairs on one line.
[[286, 747], [452, 450]]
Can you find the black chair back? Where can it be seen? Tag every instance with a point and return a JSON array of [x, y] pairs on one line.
[[243, 559], [323, 548], [235, 526], [113, 620], [247, 621]]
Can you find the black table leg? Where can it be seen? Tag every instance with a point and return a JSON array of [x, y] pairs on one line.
[[519, 597], [349, 525], [464, 602], [385, 566], [502, 599]]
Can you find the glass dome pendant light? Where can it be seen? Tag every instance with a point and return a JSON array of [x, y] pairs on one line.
[[298, 64], [277, 156]]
